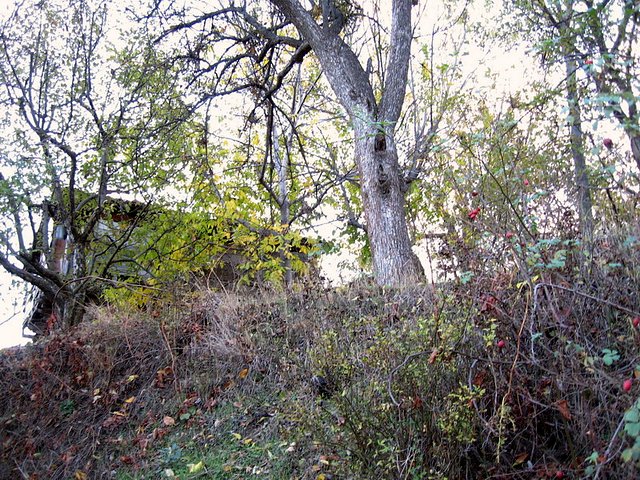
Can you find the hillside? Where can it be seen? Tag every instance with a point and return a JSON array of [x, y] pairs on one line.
[[500, 377]]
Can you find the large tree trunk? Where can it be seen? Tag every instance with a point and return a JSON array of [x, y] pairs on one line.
[[382, 189], [382, 184], [281, 161]]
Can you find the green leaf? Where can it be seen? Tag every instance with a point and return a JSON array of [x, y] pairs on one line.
[[610, 356], [632, 415], [632, 429], [593, 458], [465, 277]]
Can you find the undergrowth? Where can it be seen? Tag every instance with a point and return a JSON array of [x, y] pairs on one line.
[[528, 371]]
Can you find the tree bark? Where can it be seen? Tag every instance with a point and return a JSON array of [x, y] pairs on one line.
[[562, 21], [382, 183], [635, 148], [576, 139], [382, 189]]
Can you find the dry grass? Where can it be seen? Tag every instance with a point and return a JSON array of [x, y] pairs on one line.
[[415, 378]]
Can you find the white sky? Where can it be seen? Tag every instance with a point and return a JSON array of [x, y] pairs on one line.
[[11, 312]]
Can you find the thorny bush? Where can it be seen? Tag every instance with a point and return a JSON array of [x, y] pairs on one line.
[[517, 374]]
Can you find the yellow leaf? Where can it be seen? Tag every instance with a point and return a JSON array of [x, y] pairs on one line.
[[247, 441], [119, 414], [80, 475], [322, 476], [130, 400], [131, 378], [197, 467], [243, 373], [237, 436], [227, 468]]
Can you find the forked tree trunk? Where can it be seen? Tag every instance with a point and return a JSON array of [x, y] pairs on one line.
[[382, 183]]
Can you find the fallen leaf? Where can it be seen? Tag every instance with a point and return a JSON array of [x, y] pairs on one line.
[[563, 408], [80, 475], [478, 379], [195, 468], [143, 443], [243, 373], [521, 458], [130, 400], [168, 421], [113, 421], [158, 433]]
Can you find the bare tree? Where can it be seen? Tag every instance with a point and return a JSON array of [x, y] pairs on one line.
[[561, 18], [381, 182], [77, 138], [255, 51]]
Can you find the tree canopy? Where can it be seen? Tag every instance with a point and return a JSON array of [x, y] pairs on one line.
[[279, 117]]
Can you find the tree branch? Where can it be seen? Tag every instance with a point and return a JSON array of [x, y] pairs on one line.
[[395, 81]]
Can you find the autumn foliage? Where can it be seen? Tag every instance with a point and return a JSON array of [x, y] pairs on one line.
[[498, 377]]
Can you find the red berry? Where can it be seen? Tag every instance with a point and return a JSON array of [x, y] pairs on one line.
[[508, 235], [475, 193], [526, 182], [607, 142], [636, 322], [588, 61], [474, 213], [501, 343], [626, 386], [559, 474]]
